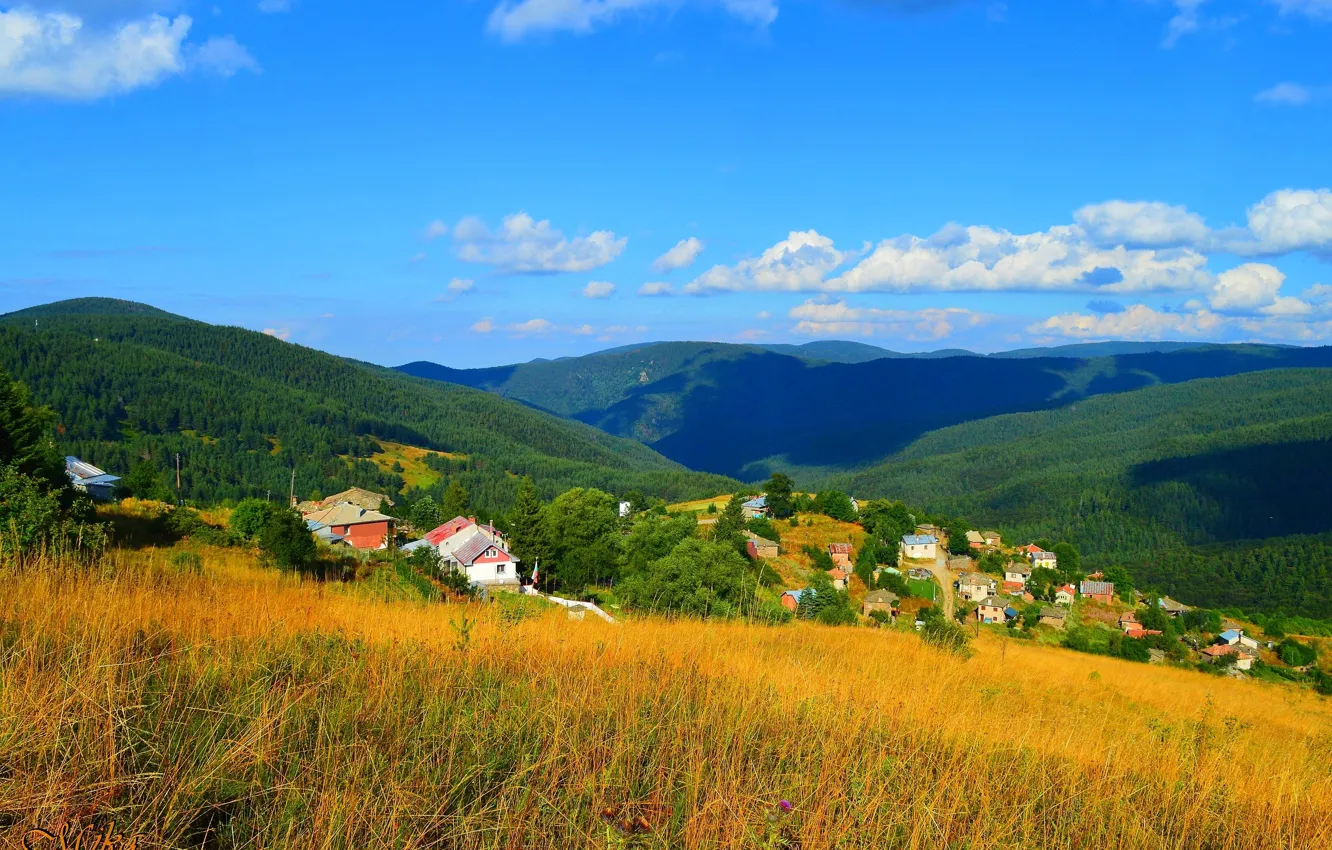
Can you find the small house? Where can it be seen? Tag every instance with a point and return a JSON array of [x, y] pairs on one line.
[[1100, 591], [975, 587], [992, 539], [626, 508], [791, 599], [839, 577], [975, 539], [325, 534], [367, 499], [1128, 621], [960, 564], [1017, 574], [990, 610], [483, 560], [1171, 607], [1236, 637], [1011, 613], [1138, 632], [1042, 560], [1065, 594], [1051, 616], [1243, 659], [1029, 549], [760, 547], [756, 507], [360, 527], [881, 600], [920, 547], [840, 554], [86, 478], [920, 574]]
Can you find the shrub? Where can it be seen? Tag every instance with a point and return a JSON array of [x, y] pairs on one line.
[[186, 561], [945, 635], [288, 541]]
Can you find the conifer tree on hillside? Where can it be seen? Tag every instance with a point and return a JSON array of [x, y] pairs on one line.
[[525, 525], [456, 501], [730, 526], [778, 492]]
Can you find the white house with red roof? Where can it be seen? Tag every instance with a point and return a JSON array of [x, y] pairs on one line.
[[478, 550]]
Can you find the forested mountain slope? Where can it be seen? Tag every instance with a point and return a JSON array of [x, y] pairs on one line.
[[741, 411], [1139, 477], [243, 408]]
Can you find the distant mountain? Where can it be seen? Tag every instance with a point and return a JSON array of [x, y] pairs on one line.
[[1151, 479], [243, 408], [741, 410], [1099, 349]]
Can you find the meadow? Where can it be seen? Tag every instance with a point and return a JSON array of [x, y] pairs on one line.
[[213, 702]]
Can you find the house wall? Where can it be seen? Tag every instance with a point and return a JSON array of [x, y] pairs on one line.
[[365, 535], [789, 602], [922, 551], [841, 560], [497, 570], [990, 615]]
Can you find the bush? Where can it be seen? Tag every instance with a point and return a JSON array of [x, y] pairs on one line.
[[249, 518], [288, 541], [945, 635], [1296, 654], [881, 618]]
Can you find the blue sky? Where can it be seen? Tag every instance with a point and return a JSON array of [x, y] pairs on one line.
[[474, 183]]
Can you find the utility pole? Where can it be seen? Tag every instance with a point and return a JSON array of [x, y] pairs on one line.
[[177, 475], [293, 486]]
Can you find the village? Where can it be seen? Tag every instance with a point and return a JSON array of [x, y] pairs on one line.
[[1018, 592]]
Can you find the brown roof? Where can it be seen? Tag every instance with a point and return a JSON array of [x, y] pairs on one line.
[[839, 548], [347, 514], [881, 596], [367, 499]]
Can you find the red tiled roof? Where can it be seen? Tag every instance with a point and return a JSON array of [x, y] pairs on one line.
[[1137, 633], [837, 573], [438, 535], [839, 548]]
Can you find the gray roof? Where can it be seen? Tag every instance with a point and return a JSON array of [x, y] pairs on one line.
[[881, 596], [1090, 587], [473, 548], [1055, 613], [992, 602], [919, 539], [82, 472]]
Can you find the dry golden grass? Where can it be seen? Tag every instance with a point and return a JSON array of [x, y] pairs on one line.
[[240, 708], [412, 459]]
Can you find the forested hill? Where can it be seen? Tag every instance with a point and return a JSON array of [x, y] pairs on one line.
[[243, 408], [740, 410], [1152, 479]]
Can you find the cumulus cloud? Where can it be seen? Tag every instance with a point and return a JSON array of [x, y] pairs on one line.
[[1140, 224], [832, 318], [1136, 322], [1286, 221], [531, 326], [656, 288], [798, 262], [598, 289], [1246, 288], [56, 54], [459, 285], [513, 21], [683, 254], [283, 334], [483, 326], [523, 245], [433, 231], [1317, 9]]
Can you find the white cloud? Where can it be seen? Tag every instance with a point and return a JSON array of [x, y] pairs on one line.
[[656, 288], [1140, 224], [1185, 21], [434, 230], [1318, 292], [1135, 322], [283, 334], [525, 246], [57, 54], [584, 330], [1246, 288], [223, 56], [832, 318], [683, 254], [514, 21], [799, 262], [1288, 94], [1289, 220], [1317, 9], [460, 285], [531, 326], [977, 259], [484, 326], [598, 289], [763, 315]]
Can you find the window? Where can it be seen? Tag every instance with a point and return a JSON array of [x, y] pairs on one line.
[[499, 569]]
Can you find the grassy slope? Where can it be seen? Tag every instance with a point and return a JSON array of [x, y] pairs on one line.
[[237, 708]]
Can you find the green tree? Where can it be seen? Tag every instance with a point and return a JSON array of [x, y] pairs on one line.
[[288, 541], [1122, 580], [250, 517], [764, 527], [1296, 654], [581, 530], [778, 492], [426, 515], [957, 539], [835, 504], [696, 578], [145, 482], [456, 501], [1070, 561], [637, 504], [1152, 617], [525, 525], [729, 528]]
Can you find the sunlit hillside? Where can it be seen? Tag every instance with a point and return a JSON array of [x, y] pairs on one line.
[[218, 703]]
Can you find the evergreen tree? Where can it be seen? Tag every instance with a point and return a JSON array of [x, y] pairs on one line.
[[456, 501], [778, 492], [729, 528], [426, 515], [525, 525]]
